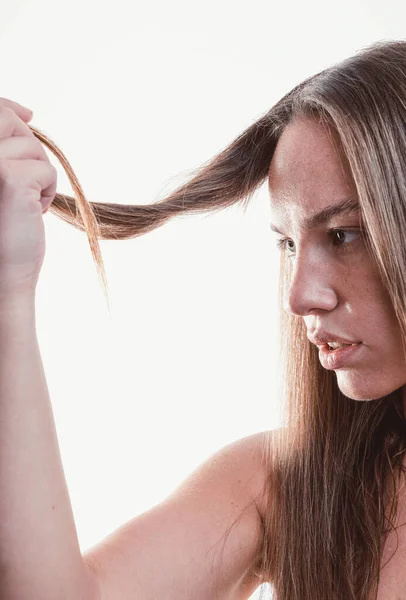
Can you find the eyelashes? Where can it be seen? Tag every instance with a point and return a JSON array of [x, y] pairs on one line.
[[341, 246]]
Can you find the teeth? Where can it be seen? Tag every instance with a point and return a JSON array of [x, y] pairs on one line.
[[335, 345]]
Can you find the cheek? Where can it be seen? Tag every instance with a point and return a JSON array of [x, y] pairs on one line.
[[365, 294], [364, 279], [374, 302]]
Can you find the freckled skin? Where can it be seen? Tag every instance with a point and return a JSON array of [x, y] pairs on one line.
[[331, 288]]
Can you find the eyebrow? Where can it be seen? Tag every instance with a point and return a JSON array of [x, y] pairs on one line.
[[349, 205]]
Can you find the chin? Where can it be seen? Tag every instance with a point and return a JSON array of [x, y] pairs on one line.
[[366, 391]]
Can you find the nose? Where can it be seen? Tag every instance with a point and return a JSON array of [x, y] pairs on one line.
[[311, 287]]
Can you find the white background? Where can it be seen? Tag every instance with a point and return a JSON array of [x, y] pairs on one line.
[[137, 95]]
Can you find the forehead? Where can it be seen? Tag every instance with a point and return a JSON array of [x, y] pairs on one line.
[[308, 173]]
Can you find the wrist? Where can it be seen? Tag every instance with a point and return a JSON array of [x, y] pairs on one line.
[[17, 304]]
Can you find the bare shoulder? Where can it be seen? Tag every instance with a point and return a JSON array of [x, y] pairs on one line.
[[243, 460], [199, 542]]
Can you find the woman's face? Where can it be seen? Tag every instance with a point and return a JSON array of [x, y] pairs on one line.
[[335, 286]]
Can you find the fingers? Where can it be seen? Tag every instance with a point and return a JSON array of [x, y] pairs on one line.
[[17, 142], [38, 180], [23, 112], [21, 147], [16, 137], [11, 124]]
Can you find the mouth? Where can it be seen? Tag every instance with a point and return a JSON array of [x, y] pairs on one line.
[[334, 347], [340, 357]]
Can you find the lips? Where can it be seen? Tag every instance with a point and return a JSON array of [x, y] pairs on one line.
[[335, 348], [335, 345], [342, 357], [321, 338]]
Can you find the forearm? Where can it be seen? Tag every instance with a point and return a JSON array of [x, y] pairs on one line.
[[40, 558]]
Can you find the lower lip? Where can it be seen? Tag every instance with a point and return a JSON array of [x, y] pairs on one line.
[[336, 359]]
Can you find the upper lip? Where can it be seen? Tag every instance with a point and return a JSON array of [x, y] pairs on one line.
[[320, 338]]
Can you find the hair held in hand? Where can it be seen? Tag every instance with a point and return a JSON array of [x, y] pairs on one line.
[[332, 469]]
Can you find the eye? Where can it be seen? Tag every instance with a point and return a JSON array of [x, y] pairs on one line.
[[333, 233]]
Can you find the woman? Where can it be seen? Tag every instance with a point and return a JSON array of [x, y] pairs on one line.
[[304, 507]]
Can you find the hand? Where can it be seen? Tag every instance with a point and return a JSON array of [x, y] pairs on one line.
[[27, 188]]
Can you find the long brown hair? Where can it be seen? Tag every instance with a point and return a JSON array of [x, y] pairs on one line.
[[332, 464]]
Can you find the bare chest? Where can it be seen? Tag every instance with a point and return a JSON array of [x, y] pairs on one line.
[[392, 584]]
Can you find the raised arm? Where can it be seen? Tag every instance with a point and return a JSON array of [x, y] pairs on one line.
[[179, 549], [40, 556], [39, 551]]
